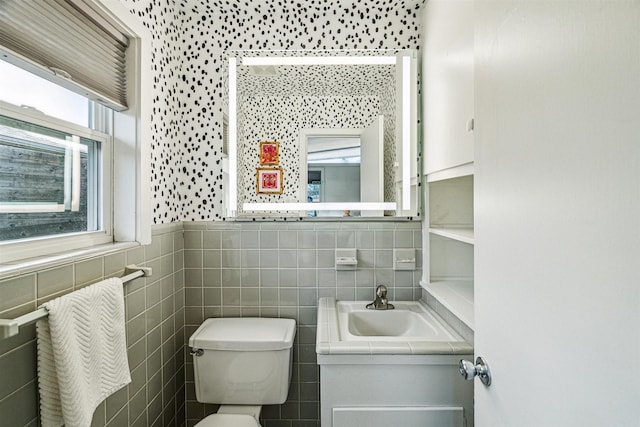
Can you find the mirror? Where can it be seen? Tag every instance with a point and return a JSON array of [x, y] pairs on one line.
[[321, 133]]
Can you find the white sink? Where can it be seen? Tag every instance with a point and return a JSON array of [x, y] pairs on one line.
[[388, 324], [409, 321], [412, 328]]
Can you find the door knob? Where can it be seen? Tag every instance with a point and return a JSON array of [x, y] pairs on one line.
[[469, 371]]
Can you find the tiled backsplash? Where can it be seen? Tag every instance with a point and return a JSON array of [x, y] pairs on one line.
[[280, 269]]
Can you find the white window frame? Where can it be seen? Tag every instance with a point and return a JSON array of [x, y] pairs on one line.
[[127, 186], [38, 246]]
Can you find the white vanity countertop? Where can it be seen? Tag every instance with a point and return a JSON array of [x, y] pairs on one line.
[[330, 341]]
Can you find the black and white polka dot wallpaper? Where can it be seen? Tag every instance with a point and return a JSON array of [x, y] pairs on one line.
[[316, 80], [189, 39], [280, 119]]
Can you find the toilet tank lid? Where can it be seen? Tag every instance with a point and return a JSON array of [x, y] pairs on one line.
[[244, 334]]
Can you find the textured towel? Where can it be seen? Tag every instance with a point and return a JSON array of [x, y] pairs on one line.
[[82, 353]]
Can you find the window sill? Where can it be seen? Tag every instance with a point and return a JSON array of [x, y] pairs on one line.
[[25, 266]]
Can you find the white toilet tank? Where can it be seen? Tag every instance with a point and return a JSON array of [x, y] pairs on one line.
[[243, 361]]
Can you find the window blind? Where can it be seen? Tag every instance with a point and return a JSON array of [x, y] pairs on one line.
[[68, 42]]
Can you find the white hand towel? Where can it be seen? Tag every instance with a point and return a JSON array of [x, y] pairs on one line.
[[82, 353]]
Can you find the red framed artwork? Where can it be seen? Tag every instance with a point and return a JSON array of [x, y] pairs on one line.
[[269, 181], [269, 153]]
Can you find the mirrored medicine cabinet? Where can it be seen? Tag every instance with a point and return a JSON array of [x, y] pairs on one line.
[[313, 134]]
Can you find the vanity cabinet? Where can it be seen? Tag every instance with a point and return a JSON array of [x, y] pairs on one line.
[[380, 390]]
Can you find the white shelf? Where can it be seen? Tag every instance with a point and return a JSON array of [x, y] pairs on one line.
[[456, 296], [452, 172], [451, 240], [460, 234]]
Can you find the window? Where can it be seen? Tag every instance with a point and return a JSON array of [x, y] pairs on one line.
[[52, 177], [65, 185], [24, 89]]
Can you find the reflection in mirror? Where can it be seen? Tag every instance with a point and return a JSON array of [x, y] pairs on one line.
[[353, 165], [339, 121], [333, 171], [333, 149]]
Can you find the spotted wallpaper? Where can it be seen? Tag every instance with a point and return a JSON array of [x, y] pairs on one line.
[[314, 80], [189, 39], [281, 119]]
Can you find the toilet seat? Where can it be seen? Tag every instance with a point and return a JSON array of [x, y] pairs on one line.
[[228, 420]]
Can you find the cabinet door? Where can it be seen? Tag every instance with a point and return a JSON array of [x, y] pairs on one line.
[[447, 76], [426, 416]]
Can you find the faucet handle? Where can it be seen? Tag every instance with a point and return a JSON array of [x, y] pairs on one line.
[[381, 302]]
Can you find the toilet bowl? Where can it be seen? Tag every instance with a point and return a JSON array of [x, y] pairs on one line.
[[242, 364], [233, 415], [228, 420]]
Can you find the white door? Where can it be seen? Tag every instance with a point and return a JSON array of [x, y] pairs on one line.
[[371, 165], [557, 255]]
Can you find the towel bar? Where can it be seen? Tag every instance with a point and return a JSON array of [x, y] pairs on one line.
[[11, 327]]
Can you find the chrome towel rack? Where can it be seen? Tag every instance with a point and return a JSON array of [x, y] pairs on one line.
[[11, 327]]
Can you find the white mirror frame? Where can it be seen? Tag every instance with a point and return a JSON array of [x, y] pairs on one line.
[[407, 63]]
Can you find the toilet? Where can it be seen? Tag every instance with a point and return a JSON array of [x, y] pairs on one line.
[[242, 364]]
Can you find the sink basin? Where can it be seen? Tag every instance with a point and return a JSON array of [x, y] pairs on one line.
[[409, 321], [388, 324], [347, 328]]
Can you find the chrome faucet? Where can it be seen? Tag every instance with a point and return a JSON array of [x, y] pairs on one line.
[[381, 302]]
